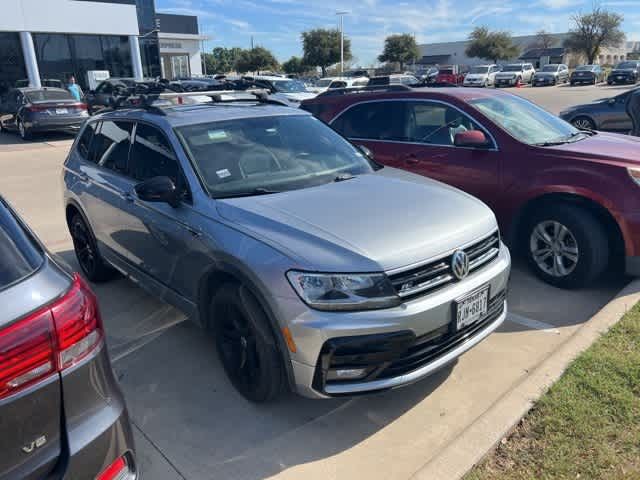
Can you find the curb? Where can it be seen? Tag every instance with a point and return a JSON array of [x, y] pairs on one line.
[[458, 457]]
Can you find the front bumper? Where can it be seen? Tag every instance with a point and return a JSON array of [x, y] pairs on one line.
[[505, 82], [475, 82], [396, 346], [621, 78], [582, 79], [544, 81]]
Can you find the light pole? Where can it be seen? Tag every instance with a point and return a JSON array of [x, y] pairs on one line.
[[342, 14]]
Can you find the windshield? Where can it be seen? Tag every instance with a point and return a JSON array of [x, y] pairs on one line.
[[269, 154], [512, 68], [585, 67], [479, 70], [525, 121], [550, 68], [48, 95], [626, 65], [289, 86]]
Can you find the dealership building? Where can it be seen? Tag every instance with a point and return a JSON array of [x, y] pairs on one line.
[[46, 41]]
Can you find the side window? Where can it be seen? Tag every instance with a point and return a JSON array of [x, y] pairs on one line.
[[84, 142], [436, 123], [338, 85], [152, 156], [373, 121], [110, 146]]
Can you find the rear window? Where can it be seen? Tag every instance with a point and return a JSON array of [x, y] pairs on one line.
[[19, 255], [48, 95]]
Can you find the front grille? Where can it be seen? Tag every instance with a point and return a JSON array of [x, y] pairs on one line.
[[436, 343], [427, 278]]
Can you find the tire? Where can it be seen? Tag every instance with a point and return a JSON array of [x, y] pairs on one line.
[[583, 123], [573, 84], [24, 132], [246, 346], [91, 262], [579, 241]]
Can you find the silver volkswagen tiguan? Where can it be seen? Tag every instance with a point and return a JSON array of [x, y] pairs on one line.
[[314, 268]]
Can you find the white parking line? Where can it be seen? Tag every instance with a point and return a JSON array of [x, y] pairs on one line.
[[531, 323]]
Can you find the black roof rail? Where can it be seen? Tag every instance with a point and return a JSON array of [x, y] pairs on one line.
[[373, 88], [131, 98]]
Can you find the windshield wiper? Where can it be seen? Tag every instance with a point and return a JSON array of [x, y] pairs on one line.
[[568, 139], [251, 193], [343, 176]]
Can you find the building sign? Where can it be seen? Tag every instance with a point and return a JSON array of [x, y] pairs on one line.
[[174, 45]]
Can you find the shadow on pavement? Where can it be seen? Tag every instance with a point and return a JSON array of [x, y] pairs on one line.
[[180, 399]]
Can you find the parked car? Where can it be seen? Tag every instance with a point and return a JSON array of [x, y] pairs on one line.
[[394, 79], [102, 97], [330, 83], [63, 415], [590, 74], [225, 211], [34, 110], [567, 199], [450, 74], [428, 76], [625, 72], [609, 114], [551, 74], [481, 76], [283, 88], [515, 74]]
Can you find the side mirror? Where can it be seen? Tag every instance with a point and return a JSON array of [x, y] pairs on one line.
[[471, 138], [366, 152], [158, 189]]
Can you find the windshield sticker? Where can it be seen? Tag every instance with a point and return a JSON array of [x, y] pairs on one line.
[[224, 173], [217, 135]]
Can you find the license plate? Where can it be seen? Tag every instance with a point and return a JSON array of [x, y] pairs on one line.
[[62, 111], [472, 308]]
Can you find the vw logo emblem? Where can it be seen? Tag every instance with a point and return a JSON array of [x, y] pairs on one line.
[[460, 264]]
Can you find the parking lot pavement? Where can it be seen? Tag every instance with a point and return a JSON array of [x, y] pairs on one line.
[[191, 424], [557, 98]]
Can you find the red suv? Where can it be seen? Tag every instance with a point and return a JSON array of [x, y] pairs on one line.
[[569, 199]]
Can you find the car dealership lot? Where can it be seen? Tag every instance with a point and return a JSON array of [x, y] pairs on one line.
[[191, 423]]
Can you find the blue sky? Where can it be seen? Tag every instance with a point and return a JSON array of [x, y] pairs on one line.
[[276, 24]]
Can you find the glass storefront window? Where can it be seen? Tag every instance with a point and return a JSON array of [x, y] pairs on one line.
[[12, 69], [61, 55]]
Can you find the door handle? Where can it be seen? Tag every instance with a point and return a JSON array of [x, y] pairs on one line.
[[84, 178], [127, 197], [411, 159]]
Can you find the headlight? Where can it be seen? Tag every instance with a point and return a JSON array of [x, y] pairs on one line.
[[634, 173], [338, 291]]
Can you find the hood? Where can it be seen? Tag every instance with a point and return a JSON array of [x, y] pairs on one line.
[[476, 76], [546, 74], [507, 74], [611, 148], [622, 70], [298, 96], [379, 221]]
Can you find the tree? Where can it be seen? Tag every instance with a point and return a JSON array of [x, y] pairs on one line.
[[593, 31], [221, 60], [544, 40], [489, 45], [400, 48], [255, 59], [294, 65], [322, 48]]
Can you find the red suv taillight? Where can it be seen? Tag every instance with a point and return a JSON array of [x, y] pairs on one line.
[[50, 340], [118, 470]]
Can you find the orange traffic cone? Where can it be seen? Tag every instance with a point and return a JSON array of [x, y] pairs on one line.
[[519, 83]]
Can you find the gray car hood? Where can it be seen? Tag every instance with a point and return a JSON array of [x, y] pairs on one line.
[[379, 221]]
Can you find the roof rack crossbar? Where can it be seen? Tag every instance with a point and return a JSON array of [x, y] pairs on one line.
[[372, 88]]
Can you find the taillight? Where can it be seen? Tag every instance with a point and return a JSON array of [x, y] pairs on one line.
[[118, 470], [36, 108], [49, 340]]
